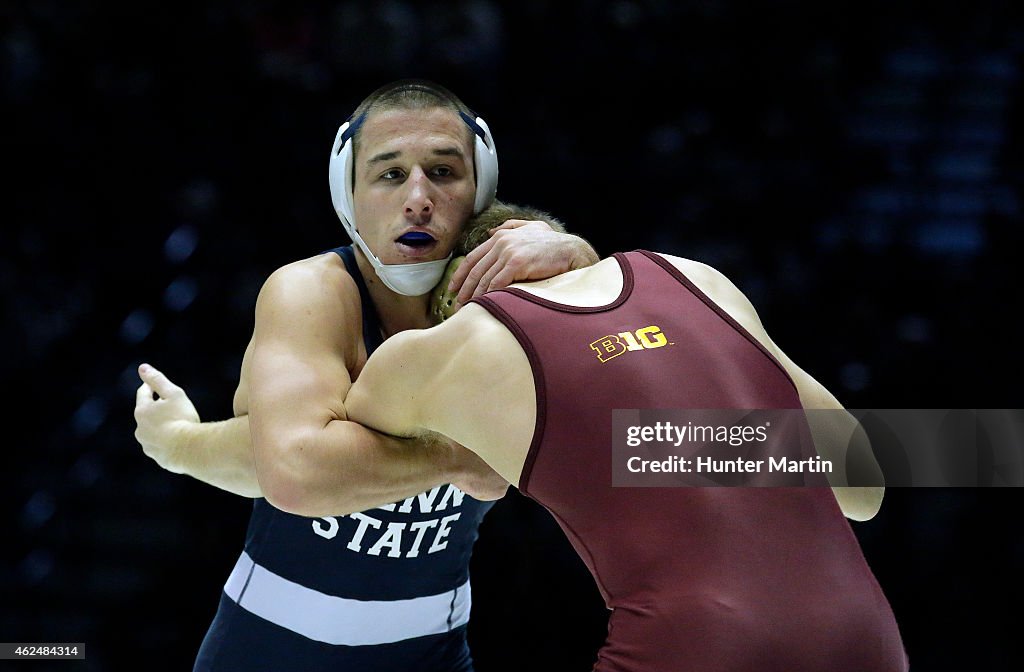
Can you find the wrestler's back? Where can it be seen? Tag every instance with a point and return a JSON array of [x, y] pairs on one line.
[[699, 578]]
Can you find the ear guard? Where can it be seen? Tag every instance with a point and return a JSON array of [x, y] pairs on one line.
[[485, 162], [442, 302]]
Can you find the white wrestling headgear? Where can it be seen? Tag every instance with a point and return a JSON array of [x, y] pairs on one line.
[[417, 278]]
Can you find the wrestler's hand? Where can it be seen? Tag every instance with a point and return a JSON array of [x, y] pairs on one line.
[[518, 251], [161, 424], [474, 477]]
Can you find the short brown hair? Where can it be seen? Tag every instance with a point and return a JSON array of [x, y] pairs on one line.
[[479, 227], [407, 94]]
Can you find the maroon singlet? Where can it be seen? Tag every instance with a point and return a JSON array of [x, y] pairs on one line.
[[699, 579]]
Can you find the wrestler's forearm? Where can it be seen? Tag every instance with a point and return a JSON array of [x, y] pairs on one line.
[[345, 467], [220, 454]]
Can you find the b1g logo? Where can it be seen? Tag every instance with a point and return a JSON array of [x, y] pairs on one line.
[[645, 338]]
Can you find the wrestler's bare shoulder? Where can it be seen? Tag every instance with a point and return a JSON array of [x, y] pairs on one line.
[[314, 299], [327, 270], [471, 324], [698, 273], [321, 281]]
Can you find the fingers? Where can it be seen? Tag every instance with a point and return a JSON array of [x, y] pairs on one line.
[[476, 269], [157, 381], [472, 257], [143, 395], [497, 276], [475, 255], [512, 224], [502, 259]]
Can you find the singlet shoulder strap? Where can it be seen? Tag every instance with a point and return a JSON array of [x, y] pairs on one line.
[[671, 269], [372, 337], [627, 289]]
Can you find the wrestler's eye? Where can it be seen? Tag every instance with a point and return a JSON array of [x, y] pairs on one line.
[[392, 175], [443, 171]]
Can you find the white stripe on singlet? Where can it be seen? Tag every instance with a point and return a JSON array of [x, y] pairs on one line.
[[339, 620]]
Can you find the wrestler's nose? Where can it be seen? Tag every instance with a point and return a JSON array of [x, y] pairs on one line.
[[419, 204]]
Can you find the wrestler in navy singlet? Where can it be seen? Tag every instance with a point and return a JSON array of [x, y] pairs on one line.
[[378, 591], [701, 579]]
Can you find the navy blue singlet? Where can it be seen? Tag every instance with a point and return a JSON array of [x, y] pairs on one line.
[[381, 590]]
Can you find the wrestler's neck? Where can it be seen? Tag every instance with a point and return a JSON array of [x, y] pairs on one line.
[[396, 312]]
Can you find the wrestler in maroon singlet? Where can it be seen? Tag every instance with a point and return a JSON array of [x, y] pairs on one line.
[[699, 579]]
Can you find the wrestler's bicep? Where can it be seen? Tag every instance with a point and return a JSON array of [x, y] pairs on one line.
[[298, 370]]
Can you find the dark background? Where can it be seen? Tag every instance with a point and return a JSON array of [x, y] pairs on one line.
[[855, 167]]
